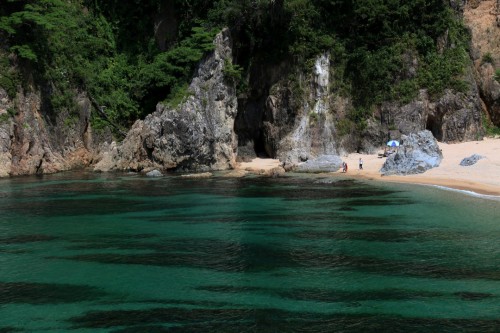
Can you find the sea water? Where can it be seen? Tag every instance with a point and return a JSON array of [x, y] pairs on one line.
[[82, 252]]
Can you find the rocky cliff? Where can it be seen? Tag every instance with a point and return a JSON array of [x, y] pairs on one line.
[[195, 135], [287, 112], [34, 141], [483, 20]]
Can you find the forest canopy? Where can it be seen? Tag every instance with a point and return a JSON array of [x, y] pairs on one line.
[[130, 55]]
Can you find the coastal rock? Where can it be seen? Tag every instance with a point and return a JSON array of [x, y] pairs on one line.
[[288, 114], [276, 172], [154, 173], [197, 135], [468, 161], [235, 173], [481, 19], [490, 91], [324, 163], [35, 140], [198, 175], [453, 117], [417, 153]]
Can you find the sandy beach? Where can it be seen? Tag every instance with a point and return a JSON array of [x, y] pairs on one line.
[[482, 177]]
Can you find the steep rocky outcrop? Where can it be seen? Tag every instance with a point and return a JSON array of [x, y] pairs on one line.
[[417, 153], [197, 135], [286, 113], [33, 141], [483, 20], [453, 117], [291, 118]]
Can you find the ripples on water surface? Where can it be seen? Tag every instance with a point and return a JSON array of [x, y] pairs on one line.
[[118, 253]]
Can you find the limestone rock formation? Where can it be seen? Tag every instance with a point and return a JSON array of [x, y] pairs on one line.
[[34, 141], [490, 91], [323, 163], [482, 19], [454, 117], [197, 135], [297, 123], [417, 153]]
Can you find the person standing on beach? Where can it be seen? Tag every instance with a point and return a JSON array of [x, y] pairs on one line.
[[360, 164]]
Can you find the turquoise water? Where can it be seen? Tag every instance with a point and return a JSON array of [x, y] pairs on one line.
[[124, 253]]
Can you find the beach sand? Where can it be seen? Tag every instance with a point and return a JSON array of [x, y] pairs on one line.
[[259, 165], [482, 177]]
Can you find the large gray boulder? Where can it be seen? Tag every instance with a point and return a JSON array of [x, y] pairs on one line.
[[323, 163], [471, 160], [197, 135], [417, 153]]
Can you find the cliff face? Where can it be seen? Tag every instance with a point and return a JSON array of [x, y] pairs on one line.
[[298, 122], [34, 142], [453, 117], [483, 20], [196, 135], [287, 113], [301, 118]]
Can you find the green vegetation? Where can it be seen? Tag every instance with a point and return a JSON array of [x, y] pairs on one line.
[[491, 130], [105, 48], [313, 118], [381, 49], [497, 75], [9, 77], [345, 126], [232, 71], [11, 112], [487, 58]]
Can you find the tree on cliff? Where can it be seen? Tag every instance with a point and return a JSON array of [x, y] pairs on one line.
[[110, 48]]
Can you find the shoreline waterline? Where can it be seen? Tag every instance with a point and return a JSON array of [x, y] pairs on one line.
[[457, 185], [482, 178]]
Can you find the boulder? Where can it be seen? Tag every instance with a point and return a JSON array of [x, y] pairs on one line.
[[323, 163], [154, 173], [417, 153], [471, 160], [276, 172]]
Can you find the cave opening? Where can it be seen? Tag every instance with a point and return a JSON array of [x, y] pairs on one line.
[[249, 128], [435, 126], [259, 147]]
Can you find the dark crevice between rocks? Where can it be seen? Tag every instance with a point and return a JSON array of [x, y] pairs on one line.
[[260, 147], [248, 127], [435, 125]]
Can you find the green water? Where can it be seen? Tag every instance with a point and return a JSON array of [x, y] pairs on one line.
[[125, 253]]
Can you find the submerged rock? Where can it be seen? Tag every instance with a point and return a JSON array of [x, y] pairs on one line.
[[198, 175], [324, 163], [276, 172], [468, 161], [154, 173], [418, 153]]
